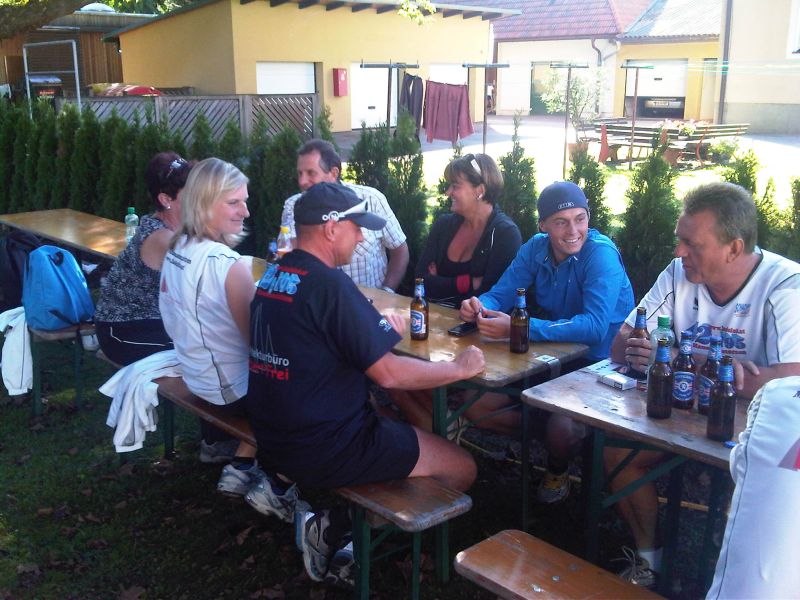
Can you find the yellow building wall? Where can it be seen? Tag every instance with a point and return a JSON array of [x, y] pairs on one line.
[[337, 38], [695, 52], [191, 48]]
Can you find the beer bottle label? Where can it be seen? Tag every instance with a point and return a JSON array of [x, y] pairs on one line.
[[704, 385], [662, 354], [419, 290], [641, 322], [683, 386], [520, 302], [725, 373], [418, 324], [686, 346]]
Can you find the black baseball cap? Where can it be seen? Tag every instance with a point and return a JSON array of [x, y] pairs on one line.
[[561, 195], [326, 201]]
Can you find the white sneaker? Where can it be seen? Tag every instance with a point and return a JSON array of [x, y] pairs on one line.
[[237, 482]]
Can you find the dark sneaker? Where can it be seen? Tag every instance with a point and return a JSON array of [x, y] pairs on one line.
[[638, 570], [265, 500], [218, 453], [553, 488], [310, 538], [341, 568], [237, 482]]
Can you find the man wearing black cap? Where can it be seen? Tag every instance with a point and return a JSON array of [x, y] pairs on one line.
[[578, 292], [315, 342]]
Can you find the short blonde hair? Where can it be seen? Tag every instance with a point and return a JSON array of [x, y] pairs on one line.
[[209, 182]]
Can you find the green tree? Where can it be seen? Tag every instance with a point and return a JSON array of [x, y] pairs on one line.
[[324, 124], [793, 249], [280, 181], [19, 16], [150, 140], [406, 191], [28, 201], [9, 115], [108, 130], [771, 230], [203, 145], [518, 200], [231, 146], [743, 171], [442, 199], [45, 159], [119, 190], [67, 123], [647, 238], [369, 159], [584, 98], [258, 144], [591, 176], [85, 164], [18, 190]]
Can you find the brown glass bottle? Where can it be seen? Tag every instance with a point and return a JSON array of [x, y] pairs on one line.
[[639, 331], [419, 312], [659, 384], [722, 410], [683, 368], [519, 325], [708, 374]]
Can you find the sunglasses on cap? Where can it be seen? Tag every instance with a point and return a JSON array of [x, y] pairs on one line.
[[175, 166], [356, 209], [473, 162]]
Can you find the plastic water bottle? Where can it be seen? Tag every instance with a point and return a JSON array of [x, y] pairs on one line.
[[662, 331], [284, 242], [131, 224]]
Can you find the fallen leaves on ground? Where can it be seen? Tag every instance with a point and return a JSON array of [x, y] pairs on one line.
[[132, 593]]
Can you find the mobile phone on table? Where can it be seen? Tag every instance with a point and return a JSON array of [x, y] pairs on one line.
[[463, 329]]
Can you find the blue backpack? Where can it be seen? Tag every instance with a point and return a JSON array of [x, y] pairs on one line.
[[54, 291]]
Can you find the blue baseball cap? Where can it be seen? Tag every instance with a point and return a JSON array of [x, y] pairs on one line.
[[561, 195]]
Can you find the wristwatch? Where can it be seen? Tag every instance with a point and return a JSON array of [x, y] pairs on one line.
[[386, 288]]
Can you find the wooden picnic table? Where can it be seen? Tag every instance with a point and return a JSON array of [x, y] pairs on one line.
[[95, 235], [619, 419]]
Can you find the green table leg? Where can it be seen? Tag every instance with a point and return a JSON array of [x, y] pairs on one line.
[[594, 503], [525, 475], [169, 428], [674, 490], [416, 550], [717, 503], [77, 354], [362, 551], [441, 533]]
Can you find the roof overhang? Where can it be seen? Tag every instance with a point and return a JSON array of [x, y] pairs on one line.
[[378, 6], [667, 39]]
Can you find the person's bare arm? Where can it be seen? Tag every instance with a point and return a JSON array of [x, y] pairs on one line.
[[239, 291], [749, 378], [396, 269], [405, 373], [155, 247]]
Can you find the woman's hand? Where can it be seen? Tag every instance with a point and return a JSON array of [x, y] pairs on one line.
[[494, 324], [470, 308]]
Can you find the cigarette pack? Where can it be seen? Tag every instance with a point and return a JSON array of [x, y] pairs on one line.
[[618, 381]]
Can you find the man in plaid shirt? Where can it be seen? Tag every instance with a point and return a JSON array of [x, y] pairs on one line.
[[317, 161]]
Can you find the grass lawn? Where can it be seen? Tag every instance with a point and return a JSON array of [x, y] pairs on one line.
[[77, 522]]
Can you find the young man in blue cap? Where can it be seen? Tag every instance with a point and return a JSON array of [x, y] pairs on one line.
[[315, 341], [578, 292]]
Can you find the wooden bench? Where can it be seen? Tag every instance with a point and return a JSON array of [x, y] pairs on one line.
[[614, 136], [513, 564], [411, 505], [703, 136]]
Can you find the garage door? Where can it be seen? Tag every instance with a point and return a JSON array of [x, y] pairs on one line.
[[368, 100], [666, 78], [285, 78]]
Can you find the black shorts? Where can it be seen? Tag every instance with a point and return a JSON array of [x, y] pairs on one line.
[[126, 342], [383, 450]]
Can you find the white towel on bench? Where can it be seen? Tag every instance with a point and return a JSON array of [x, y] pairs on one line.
[[17, 364], [134, 400]]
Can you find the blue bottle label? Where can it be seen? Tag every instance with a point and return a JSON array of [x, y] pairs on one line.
[[704, 385], [417, 322], [725, 373], [419, 290], [686, 346], [520, 302], [683, 386], [641, 321], [662, 354]]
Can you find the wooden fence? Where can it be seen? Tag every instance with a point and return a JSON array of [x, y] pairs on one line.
[[180, 112]]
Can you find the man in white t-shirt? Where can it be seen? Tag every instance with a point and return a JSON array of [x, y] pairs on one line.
[[720, 284], [317, 162]]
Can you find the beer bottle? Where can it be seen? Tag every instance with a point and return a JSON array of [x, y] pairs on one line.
[[722, 410], [659, 384], [419, 312], [272, 252], [683, 374], [708, 374], [639, 331], [519, 324]]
